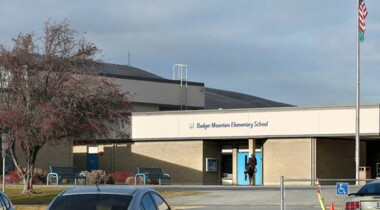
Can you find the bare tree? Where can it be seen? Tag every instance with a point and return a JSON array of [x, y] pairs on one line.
[[50, 91]]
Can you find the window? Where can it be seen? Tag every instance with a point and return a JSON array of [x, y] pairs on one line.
[[161, 204], [2, 205], [93, 150], [148, 203], [6, 202], [211, 165], [91, 201]]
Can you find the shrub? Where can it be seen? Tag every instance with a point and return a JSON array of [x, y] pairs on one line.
[[12, 177], [121, 176], [95, 176], [37, 180], [130, 180], [39, 176], [109, 179]]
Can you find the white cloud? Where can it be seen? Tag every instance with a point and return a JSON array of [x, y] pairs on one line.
[[293, 51]]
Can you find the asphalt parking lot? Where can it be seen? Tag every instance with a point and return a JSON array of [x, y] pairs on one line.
[[251, 197], [226, 197]]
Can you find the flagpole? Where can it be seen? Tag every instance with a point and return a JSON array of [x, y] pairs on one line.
[[357, 136]]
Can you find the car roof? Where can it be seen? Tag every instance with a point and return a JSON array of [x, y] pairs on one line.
[[375, 182], [122, 190]]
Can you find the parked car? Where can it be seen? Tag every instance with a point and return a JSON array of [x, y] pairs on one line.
[[109, 198], [5, 202], [367, 197]]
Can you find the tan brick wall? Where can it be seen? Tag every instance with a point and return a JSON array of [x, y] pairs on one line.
[[52, 155], [336, 158], [211, 150], [373, 156], [290, 158], [80, 157], [181, 159]]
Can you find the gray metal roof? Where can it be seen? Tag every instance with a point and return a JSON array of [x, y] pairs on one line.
[[232, 100]]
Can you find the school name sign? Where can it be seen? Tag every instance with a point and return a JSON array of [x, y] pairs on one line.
[[215, 125]]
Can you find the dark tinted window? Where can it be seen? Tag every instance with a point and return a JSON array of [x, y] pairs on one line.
[[2, 205], [161, 204], [148, 203], [371, 188], [6, 202], [92, 202]]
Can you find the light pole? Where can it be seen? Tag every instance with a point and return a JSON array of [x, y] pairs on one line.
[[4, 147]]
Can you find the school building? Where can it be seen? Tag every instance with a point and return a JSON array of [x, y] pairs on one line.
[[171, 129]]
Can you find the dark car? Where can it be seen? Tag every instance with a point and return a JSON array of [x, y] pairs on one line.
[[109, 198], [367, 197]]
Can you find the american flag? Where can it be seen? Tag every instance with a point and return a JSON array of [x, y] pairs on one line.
[[362, 15]]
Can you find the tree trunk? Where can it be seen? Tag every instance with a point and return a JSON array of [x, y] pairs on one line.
[[27, 172], [28, 184]]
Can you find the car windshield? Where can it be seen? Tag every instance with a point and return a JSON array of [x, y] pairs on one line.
[[371, 188], [92, 202]]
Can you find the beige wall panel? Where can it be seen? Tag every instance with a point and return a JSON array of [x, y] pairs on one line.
[[336, 158], [161, 93], [290, 158], [254, 123], [106, 160], [52, 155], [147, 126], [342, 121], [80, 157], [181, 159], [211, 150], [140, 107]]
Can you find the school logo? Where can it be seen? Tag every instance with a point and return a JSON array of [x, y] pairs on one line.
[[191, 125]]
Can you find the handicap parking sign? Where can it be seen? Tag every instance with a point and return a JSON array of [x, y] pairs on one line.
[[341, 188]]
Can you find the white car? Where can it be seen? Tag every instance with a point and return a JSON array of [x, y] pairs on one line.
[[367, 197], [109, 198]]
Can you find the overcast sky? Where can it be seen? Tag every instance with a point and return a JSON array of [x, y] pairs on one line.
[[300, 52]]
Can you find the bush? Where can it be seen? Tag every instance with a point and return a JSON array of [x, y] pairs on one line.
[[95, 176], [37, 180], [12, 177], [109, 179], [39, 176], [131, 180], [121, 176]]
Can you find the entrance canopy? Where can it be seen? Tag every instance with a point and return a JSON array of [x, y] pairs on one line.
[[255, 123]]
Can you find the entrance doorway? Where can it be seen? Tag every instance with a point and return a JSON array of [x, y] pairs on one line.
[[226, 165], [242, 178], [92, 158], [242, 159], [226, 169]]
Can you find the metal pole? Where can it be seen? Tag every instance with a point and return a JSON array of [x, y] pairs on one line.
[[4, 147], [3, 169], [282, 199], [357, 136]]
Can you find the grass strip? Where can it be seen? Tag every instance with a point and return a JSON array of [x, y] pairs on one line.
[[44, 195]]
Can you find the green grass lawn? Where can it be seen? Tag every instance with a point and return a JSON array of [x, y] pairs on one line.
[[44, 195]]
